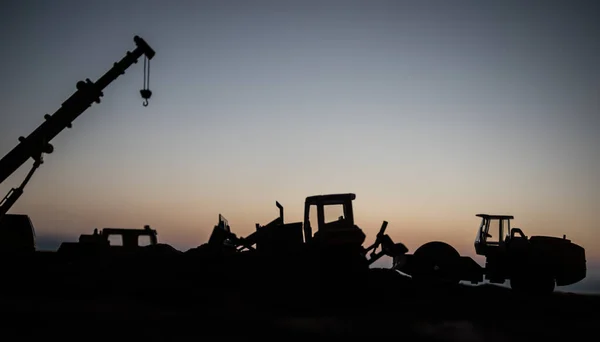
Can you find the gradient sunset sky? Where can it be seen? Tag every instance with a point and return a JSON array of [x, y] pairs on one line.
[[431, 112]]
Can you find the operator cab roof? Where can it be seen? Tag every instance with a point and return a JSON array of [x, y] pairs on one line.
[[330, 198], [116, 231], [495, 217]]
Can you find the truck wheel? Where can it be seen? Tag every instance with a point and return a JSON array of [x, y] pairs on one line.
[[436, 261], [533, 284], [546, 285]]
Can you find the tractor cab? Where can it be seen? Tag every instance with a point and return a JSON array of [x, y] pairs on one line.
[[333, 217], [494, 233]]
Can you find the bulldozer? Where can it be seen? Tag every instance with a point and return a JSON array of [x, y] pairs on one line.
[[336, 242], [534, 265], [323, 256]]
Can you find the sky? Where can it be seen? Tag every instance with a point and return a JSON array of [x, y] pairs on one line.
[[429, 111]]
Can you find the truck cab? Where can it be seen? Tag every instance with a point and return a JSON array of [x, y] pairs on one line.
[[127, 238], [109, 240]]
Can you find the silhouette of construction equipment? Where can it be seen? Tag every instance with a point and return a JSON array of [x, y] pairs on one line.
[[17, 233], [88, 92], [100, 241], [532, 264], [332, 237]]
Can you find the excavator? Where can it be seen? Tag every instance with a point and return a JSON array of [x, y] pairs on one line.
[[16, 231]]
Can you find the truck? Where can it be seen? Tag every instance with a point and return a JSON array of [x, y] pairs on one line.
[[100, 242], [92, 261], [535, 264]]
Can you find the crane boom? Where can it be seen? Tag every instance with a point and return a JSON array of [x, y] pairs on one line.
[[88, 92]]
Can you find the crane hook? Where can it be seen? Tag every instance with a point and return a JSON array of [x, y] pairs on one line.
[[146, 94]]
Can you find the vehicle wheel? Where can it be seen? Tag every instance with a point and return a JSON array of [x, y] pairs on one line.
[[533, 284], [519, 284], [546, 285], [436, 261]]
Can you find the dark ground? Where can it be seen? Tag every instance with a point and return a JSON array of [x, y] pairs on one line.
[[388, 306]]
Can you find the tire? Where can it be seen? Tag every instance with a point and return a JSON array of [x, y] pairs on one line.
[[436, 262], [546, 285], [533, 283]]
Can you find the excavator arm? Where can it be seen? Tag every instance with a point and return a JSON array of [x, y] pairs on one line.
[[88, 92]]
